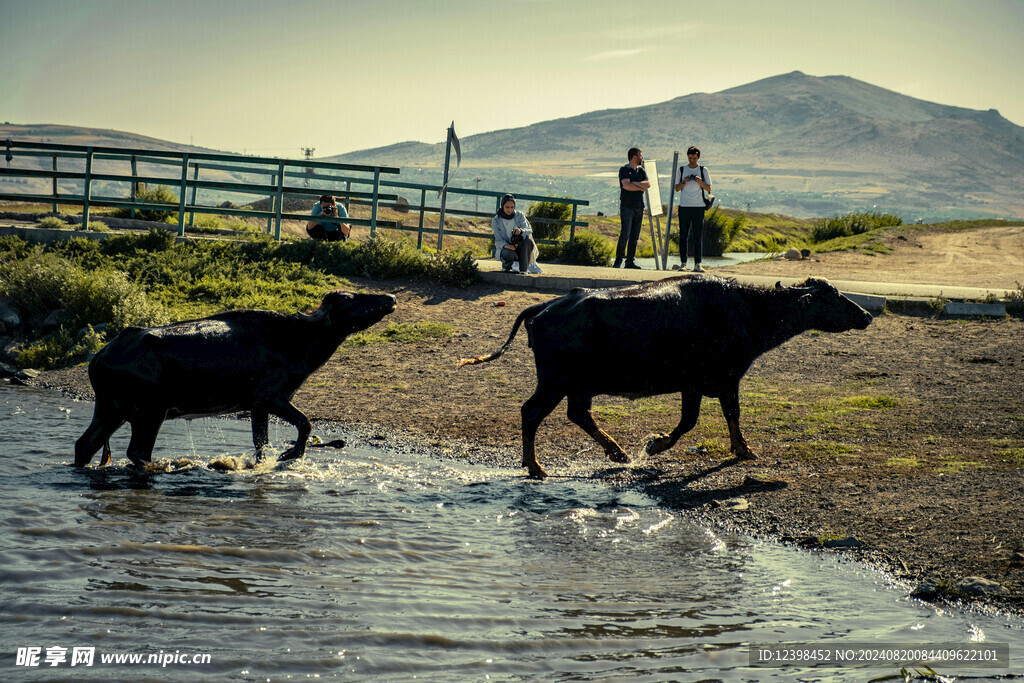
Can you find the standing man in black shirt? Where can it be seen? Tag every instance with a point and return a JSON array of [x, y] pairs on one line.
[[633, 183]]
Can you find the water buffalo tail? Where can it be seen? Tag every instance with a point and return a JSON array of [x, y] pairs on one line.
[[525, 315]]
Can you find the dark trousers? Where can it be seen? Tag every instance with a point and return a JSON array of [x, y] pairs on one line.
[[318, 232], [632, 221], [521, 253], [691, 231]]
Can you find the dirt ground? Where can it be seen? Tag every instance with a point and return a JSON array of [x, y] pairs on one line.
[[904, 441]]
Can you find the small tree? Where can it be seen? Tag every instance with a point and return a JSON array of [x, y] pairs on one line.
[[549, 211]]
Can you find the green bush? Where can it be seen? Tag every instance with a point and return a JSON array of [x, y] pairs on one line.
[[53, 223], [456, 268], [852, 224], [549, 211], [588, 249], [385, 259], [719, 231], [161, 194]]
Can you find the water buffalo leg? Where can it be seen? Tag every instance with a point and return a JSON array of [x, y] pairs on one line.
[[687, 421], [145, 428], [579, 412], [105, 422], [536, 408], [260, 428], [294, 417], [730, 401]]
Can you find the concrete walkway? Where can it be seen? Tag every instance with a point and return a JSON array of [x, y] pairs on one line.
[[871, 295]]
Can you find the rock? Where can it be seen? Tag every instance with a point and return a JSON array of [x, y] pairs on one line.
[[927, 589], [23, 377], [7, 370], [977, 587], [56, 319], [805, 253], [9, 316], [9, 351], [793, 255], [848, 542]]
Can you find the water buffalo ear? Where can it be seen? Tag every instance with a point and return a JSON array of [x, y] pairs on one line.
[[805, 301]]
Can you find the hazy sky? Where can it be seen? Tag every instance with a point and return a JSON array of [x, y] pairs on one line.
[[272, 76]]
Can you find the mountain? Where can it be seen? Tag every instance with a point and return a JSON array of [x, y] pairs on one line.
[[792, 143]]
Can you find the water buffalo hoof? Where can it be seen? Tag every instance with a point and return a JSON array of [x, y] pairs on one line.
[[537, 472], [619, 456], [289, 455], [657, 444]]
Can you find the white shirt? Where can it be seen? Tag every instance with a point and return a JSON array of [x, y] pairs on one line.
[[690, 195]]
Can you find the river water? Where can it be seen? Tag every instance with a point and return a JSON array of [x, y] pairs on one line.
[[365, 564]]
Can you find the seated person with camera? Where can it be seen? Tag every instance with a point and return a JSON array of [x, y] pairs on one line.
[[513, 238], [330, 231]]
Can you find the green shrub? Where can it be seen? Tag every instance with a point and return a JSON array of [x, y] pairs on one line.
[[852, 224], [161, 194], [45, 282], [549, 211], [719, 231], [588, 249], [456, 268], [53, 223], [385, 259], [60, 349]]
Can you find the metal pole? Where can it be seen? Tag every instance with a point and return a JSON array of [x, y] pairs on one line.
[[280, 200], [668, 219], [444, 187], [87, 189], [135, 186], [272, 198], [373, 207], [192, 214], [181, 195], [655, 244], [419, 231], [55, 195]]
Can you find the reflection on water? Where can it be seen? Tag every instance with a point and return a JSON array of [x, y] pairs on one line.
[[364, 564]]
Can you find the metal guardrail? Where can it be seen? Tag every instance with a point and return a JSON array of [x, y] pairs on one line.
[[280, 171], [276, 168]]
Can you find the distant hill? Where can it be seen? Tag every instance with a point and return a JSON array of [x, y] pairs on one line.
[[793, 144]]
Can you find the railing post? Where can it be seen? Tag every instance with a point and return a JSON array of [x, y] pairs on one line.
[[280, 200], [373, 207], [55, 195], [181, 195], [273, 201], [87, 189], [192, 213], [419, 231], [135, 185], [572, 228]]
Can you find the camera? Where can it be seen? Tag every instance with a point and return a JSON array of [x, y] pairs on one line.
[[329, 210]]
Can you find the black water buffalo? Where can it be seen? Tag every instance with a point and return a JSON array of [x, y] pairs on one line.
[[693, 334], [242, 360]]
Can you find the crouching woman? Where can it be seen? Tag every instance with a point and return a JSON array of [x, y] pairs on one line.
[[513, 238]]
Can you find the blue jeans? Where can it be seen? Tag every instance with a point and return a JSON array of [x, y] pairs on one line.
[[632, 221], [691, 220]]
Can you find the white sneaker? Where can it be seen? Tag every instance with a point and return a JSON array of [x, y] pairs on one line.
[[697, 268]]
